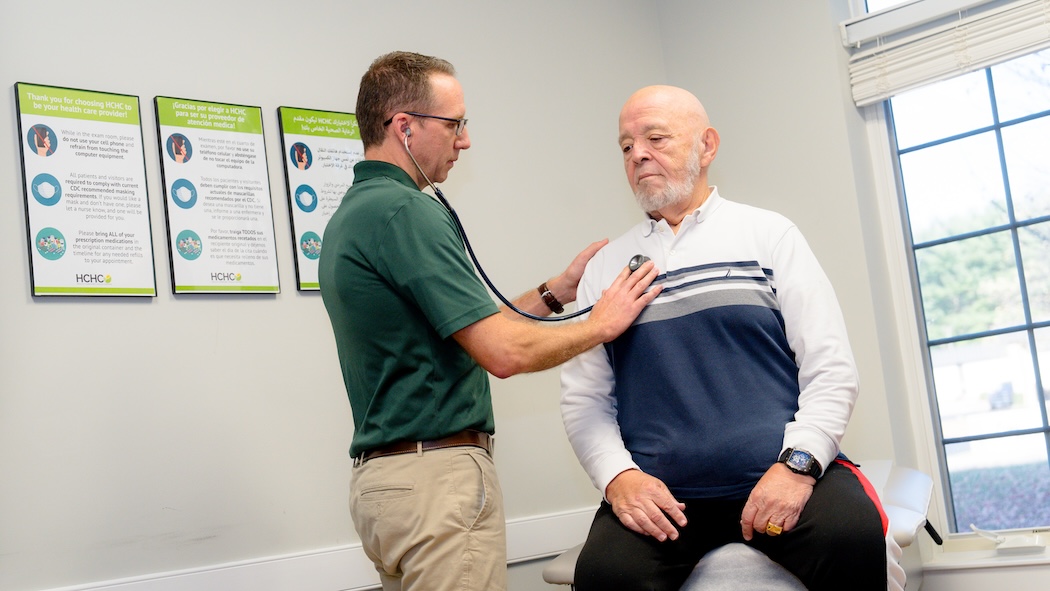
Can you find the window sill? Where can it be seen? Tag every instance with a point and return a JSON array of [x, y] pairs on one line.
[[974, 559]]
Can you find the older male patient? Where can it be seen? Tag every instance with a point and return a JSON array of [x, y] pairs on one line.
[[717, 416]]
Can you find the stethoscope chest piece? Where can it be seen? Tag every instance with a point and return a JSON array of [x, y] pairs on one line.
[[636, 261]]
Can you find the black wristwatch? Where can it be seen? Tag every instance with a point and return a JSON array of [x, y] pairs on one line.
[[800, 462]]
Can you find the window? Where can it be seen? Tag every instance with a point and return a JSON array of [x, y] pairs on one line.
[[972, 154], [877, 5]]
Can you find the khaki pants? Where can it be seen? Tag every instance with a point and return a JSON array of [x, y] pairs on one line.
[[432, 522]]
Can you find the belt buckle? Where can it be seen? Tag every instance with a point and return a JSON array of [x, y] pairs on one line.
[[359, 460]]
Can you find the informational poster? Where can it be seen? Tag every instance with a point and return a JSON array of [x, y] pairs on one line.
[[320, 149], [87, 210], [217, 197]]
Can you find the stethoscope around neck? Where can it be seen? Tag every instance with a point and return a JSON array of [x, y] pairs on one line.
[[635, 262]]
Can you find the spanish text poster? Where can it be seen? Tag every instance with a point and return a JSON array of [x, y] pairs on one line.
[[320, 149], [84, 175], [217, 197]]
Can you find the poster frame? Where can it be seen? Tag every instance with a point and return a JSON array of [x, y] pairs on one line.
[[96, 291], [282, 111], [161, 152]]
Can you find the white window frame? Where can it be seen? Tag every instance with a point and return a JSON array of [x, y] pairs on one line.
[[906, 312], [962, 549], [973, 37]]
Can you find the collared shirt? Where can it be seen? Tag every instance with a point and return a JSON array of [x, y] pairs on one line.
[[742, 354], [397, 284]]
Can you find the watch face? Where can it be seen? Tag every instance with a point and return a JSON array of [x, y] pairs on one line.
[[799, 460]]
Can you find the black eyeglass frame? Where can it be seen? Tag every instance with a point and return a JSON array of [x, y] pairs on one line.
[[461, 124]]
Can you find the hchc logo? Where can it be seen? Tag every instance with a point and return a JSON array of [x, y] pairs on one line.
[[93, 278], [225, 277]]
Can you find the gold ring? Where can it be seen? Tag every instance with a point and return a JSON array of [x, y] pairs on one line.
[[773, 530]]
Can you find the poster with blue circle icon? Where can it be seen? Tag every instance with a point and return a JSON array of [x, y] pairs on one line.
[[306, 198], [301, 155], [42, 140], [310, 245], [321, 149], [189, 245], [86, 200], [179, 148], [51, 244], [46, 189], [183, 193], [219, 207]]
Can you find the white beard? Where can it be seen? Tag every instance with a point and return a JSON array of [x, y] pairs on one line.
[[676, 191]]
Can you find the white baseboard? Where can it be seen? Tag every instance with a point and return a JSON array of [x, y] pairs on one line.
[[540, 536], [345, 568]]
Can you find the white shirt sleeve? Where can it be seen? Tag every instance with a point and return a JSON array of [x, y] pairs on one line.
[[587, 405], [816, 332]]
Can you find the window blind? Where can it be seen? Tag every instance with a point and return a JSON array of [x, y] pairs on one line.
[[967, 44]]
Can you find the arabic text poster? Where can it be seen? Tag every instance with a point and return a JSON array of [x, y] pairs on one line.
[[87, 209], [320, 149], [217, 197]]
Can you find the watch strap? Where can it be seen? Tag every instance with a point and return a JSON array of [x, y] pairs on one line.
[[549, 299], [812, 467]]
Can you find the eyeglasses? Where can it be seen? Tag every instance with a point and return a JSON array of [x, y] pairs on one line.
[[460, 123]]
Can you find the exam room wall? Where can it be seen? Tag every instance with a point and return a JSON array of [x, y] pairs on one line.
[[141, 436]]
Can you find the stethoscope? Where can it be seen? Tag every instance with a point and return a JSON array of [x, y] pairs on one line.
[[635, 262]]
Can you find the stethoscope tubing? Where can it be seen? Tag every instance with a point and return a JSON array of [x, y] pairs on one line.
[[485, 277], [636, 260]]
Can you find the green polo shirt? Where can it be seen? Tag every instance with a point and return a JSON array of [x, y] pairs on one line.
[[397, 283]]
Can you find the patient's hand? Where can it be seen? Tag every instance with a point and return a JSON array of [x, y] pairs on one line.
[[643, 504], [778, 498]]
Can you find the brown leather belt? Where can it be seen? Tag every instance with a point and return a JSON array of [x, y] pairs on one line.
[[468, 437]]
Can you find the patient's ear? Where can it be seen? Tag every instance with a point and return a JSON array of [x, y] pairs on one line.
[[710, 148]]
